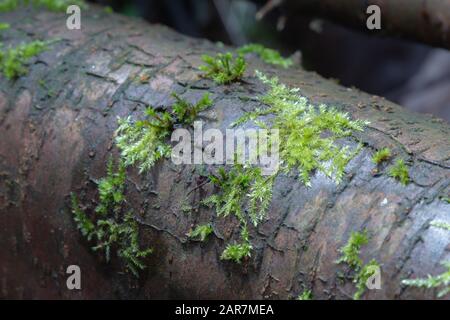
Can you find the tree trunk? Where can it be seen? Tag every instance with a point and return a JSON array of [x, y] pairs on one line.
[[425, 21], [56, 129]]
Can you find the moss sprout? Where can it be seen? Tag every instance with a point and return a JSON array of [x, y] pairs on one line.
[[381, 155], [305, 295], [223, 68], [13, 61], [144, 141], [350, 253], [441, 281], [399, 171], [111, 227], [201, 232], [269, 56]]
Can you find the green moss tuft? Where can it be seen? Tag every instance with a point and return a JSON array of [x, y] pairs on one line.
[[399, 171], [110, 227], [308, 135], [362, 276], [143, 141], [351, 251], [306, 295], [13, 60], [4, 26], [269, 56], [441, 224], [441, 281], [236, 252], [381, 155], [201, 232], [222, 68]]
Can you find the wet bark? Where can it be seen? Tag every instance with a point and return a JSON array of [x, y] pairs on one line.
[[424, 21], [56, 129]]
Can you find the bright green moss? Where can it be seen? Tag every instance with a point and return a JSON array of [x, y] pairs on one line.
[[13, 60], [143, 141], [350, 253], [307, 135], [111, 227], [399, 171], [441, 224], [381, 155], [306, 295], [367, 271], [236, 252], [223, 68], [201, 232], [4, 26], [245, 193], [270, 56], [441, 281]]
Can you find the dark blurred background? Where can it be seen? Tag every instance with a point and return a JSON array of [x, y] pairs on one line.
[[414, 75]]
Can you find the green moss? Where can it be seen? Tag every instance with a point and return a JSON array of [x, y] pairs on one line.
[[223, 68], [307, 134], [13, 61], [441, 281], [362, 276], [4, 26], [52, 5], [441, 224], [306, 295], [110, 227], [446, 199], [399, 171], [350, 253], [245, 193], [236, 252], [144, 141], [381, 155], [267, 55], [201, 232]]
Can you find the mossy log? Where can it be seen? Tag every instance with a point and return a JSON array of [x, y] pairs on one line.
[[425, 21], [57, 128]]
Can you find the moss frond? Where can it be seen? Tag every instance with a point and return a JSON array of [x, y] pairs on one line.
[[236, 252], [399, 171], [441, 281], [110, 228], [362, 276], [305, 295], [381, 155], [441, 224], [267, 55], [13, 61], [201, 232], [350, 253], [223, 68], [307, 134]]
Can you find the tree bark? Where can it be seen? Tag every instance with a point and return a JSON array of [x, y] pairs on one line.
[[56, 129], [425, 21]]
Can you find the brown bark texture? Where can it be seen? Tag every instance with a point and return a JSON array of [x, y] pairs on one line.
[[57, 128], [424, 21]]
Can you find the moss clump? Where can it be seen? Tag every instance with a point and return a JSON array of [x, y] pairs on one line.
[[4, 26], [431, 282], [308, 135], [351, 251], [399, 171], [13, 60], [110, 227], [143, 141], [52, 5], [244, 193], [223, 68], [350, 255], [441, 224], [201, 232], [381, 155], [267, 55], [306, 295]]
